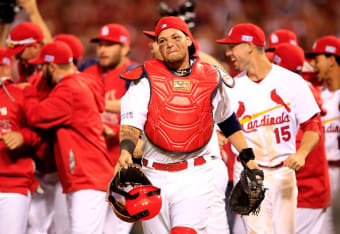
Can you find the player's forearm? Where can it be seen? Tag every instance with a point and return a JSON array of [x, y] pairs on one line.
[[3, 36], [308, 142], [32, 10], [238, 140], [128, 138], [112, 106]]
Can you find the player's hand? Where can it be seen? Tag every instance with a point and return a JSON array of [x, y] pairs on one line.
[[23, 84], [222, 140], [28, 5], [252, 164], [108, 132], [295, 161], [13, 140], [124, 160]]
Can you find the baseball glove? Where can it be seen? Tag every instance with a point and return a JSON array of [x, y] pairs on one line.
[[246, 197]]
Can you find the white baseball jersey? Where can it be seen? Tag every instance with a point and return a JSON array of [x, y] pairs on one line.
[[331, 123], [270, 112], [134, 109]]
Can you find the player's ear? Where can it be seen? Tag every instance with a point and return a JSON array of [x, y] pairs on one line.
[[189, 41], [125, 50]]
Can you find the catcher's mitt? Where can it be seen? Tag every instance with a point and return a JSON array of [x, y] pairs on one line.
[[247, 195], [142, 199]]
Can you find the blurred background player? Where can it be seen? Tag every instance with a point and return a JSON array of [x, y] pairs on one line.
[[271, 110], [83, 164], [113, 47], [314, 197], [16, 165], [325, 56], [26, 39]]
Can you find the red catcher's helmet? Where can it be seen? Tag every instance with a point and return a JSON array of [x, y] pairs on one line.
[[142, 202], [147, 204]]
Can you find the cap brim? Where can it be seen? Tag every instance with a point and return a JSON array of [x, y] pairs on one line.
[[150, 34], [16, 50], [97, 39], [228, 41], [36, 61]]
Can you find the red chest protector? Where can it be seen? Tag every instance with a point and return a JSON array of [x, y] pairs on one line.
[[180, 116]]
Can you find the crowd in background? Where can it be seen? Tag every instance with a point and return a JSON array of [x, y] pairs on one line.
[[310, 19]]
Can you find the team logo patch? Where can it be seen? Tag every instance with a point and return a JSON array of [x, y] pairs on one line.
[[104, 31], [228, 80], [6, 61], [164, 25], [231, 30], [181, 84], [127, 115], [293, 42], [274, 38], [277, 59], [123, 39], [49, 58], [330, 49], [247, 38]]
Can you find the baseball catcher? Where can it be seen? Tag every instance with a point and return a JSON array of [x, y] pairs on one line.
[[248, 193]]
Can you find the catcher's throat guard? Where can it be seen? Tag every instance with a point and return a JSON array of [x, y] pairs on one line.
[[142, 202]]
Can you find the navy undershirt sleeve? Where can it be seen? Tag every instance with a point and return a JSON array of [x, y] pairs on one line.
[[230, 125]]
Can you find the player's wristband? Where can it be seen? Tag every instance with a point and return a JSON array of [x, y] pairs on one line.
[[246, 155], [127, 145]]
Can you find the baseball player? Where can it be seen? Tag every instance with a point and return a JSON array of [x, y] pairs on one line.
[[113, 46], [271, 102], [172, 102], [326, 62], [48, 209], [16, 167], [278, 37], [82, 161], [314, 196]]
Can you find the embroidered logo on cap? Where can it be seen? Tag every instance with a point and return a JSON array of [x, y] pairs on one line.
[[70, 59], [49, 58], [293, 42], [330, 49], [123, 39], [274, 38], [277, 59], [105, 31], [164, 25], [246, 38], [6, 61], [230, 31]]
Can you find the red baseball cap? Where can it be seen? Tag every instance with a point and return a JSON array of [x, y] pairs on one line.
[[150, 34], [23, 35], [325, 45], [54, 52], [245, 33], [5, 59], [289, 56], [73, 42], [113, 32], [281, 36], [176, 23]]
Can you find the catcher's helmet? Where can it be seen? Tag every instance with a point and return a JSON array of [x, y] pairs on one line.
[[142, 202]]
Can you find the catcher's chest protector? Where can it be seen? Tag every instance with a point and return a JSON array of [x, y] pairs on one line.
[[180, 116]]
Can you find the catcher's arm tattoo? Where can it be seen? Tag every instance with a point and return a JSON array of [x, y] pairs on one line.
[[128, 138]]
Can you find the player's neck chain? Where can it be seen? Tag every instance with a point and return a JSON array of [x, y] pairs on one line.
[[181, 72]]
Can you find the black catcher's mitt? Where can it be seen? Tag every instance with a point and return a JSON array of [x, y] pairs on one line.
[[247, 195]]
